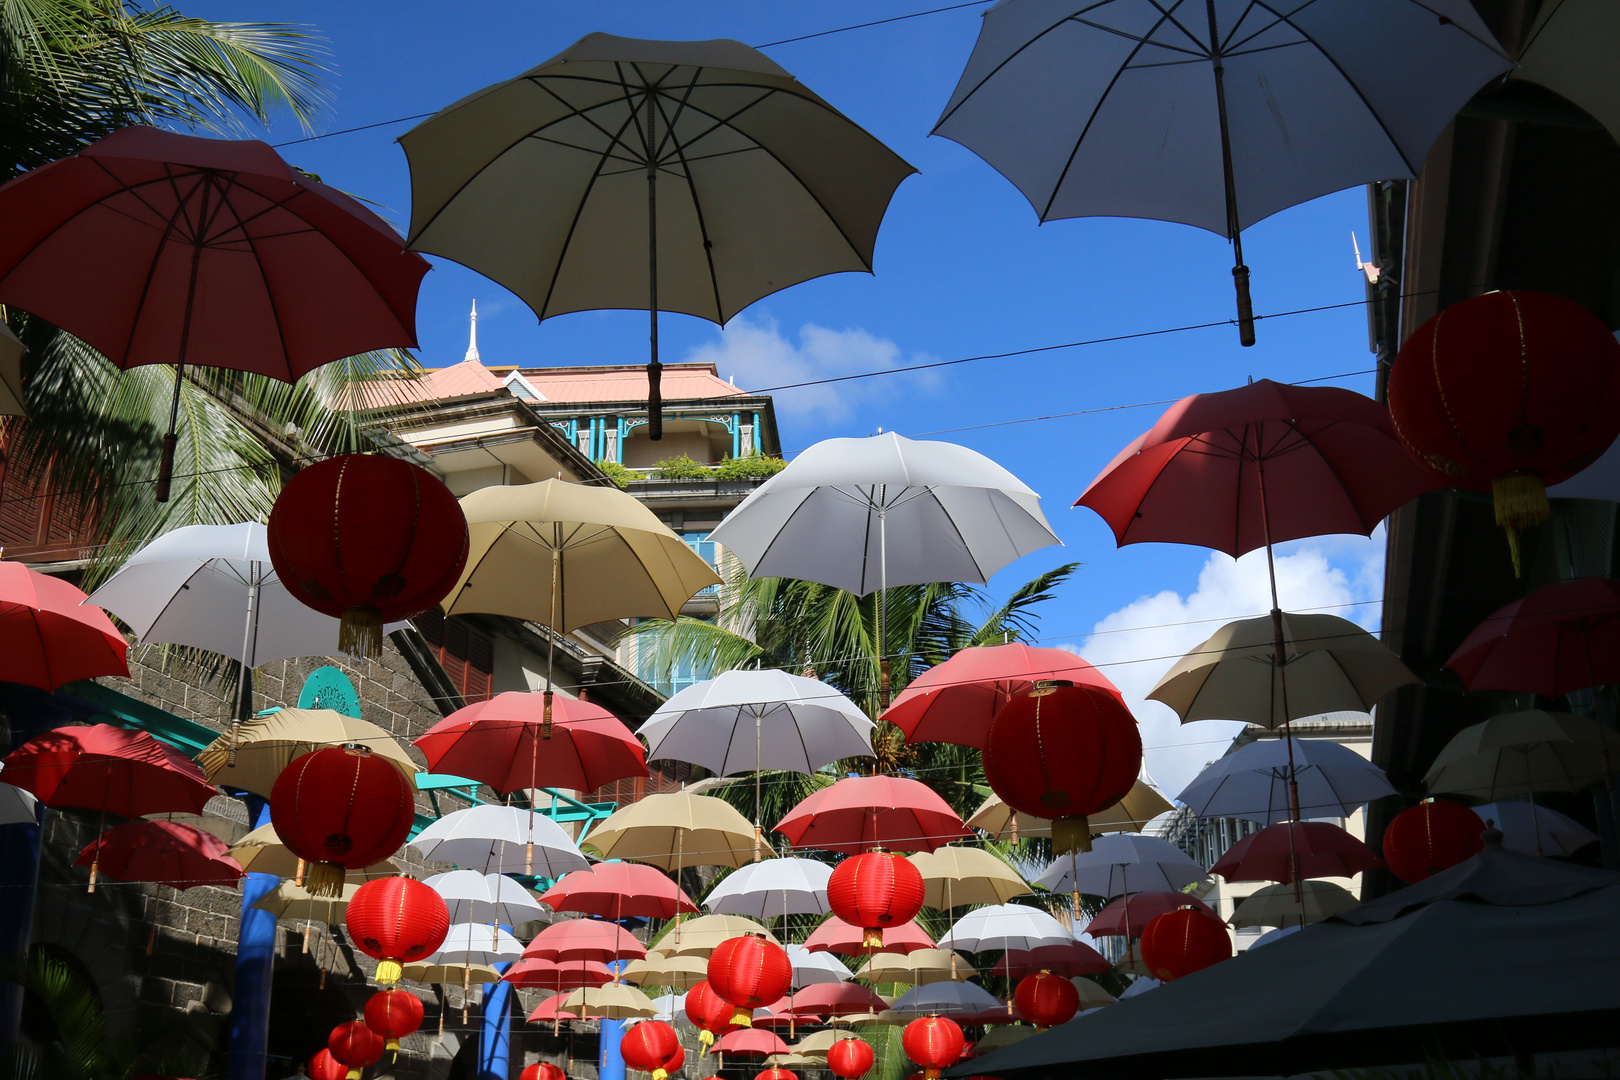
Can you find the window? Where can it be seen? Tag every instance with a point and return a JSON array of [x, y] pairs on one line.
[[610, 444], [709, 552], [466, 653], [745, 440], [584, 439]]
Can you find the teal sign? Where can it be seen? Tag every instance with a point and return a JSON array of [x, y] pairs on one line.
[[328, 688]]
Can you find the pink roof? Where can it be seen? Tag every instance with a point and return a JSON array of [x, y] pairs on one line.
[[466, 379], [616, 383]]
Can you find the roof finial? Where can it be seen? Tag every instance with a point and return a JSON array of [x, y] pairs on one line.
[[472, 338]]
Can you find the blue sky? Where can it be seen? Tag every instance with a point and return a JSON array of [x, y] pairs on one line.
[[962, 268]]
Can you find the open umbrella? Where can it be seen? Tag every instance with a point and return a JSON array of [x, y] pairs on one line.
[[449, 974], [17, 806], [691, 176], [262, 852], [252, 754], [676, 830], [955, 701], [810, 968], [474, 897], [1252, 782], [111, 769], [862, 812], [52, 637], [836, 935], [1125, 916], [918, 967], [551, 1010], [163, 853], [1511, 754], [749, 1042], [613, 1001], [1068, 960], [1004, 926], [764, 890], [584, 939], [1283, 905], [619, 890], [531, 973], [1533, 829], [835, 999], [1214, 114], [290, 901], [477, 943], [954, 876], [208, 252], [675, 972], [1292, 850], [11, 388], [1557, 639], [500, 840], [704, 934], [1140, 805], [1121, 864], [947, 999], [1566, 50]]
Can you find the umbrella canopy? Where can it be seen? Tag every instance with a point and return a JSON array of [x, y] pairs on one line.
[[1356, 991], [1293, 850], [551, 1010], [262, 852], [817, 1044], [1140, 805], [861, 812], [619, 890], [11, 388], [531, 973], [432, 971], [1518, 753], [675, 972], [265, 745], [764, 890], [671, 1009], [213, 587], [955, 701], [53, 638], [1331, 779], [1005, 926], [500, 840], [477, 943], [999, 1037], [614, 1001], [1127, 915], [835, 999], [946, 999], [473, 897], [1122, 864], [918, 967], [1557, 639], [704, 934], [812, 968], [289, 901], [17, 806], [691, 176], [584, 939], [110, 769], [1535, 829], [866, 514], [1278, 905], [750, 1042], [517, 741], [163, 852], [776, 1015], [1092, 996], [676, 830], [1565, 52], [1068, 960], [954, 876], [836, 935]]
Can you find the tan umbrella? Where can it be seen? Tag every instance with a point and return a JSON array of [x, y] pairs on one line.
[[954, 876], [266, 744], [1131, 963], [1141, 805], [796, 1061], [1521, 753], [918, 968], [1570, 50], [1003, 1035], [676, 830], [290, 902], [1331, 665], [462, 975], [702, 935], [817, 1045], [1092, 996], [887, 1018], [11, 354], [615, 1001], [1283, 905], [676, 972], [262, 852]]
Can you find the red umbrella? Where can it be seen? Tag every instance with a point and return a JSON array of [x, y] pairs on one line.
[[1558, 638], [163, 852], [1067, 960], [499, 743], [1126, 916], [836, 935], [52, 637], [550, 1010], [209, 252], [557, 975], [1315, 848], [619, 889], [834, 999], [862, 812], [955, 701], [777, 1015], [111, 769], [584, 939], [750, 1042], [988, 1017]]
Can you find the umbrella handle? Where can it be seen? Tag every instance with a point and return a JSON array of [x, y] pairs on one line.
[[1245, 306], [166, 467]]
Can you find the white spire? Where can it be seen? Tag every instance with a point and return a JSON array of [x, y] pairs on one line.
[[472, 338]]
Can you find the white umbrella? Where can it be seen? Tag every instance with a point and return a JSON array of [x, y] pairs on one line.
[[473, 897], [746, 721], [472, 943], [17, 806], [1005, 926], [945, 998], [764, 890], [671, 1009], [1535, 830], [1252, 782], [1271, 936], [496, 839], [1292, 905], [810, 968], [1123, 863], [1142, 984]]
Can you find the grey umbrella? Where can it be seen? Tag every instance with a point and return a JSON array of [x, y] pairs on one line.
[[692, 176], [1214, 113]]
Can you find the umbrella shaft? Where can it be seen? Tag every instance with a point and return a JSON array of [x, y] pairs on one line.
[[1240, 272], [655, 398]]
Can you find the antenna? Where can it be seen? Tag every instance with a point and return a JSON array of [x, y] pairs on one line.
[[1367, 268]]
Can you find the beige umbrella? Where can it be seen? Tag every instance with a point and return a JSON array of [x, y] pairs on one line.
[[1131, 963], [1004, 1035], [953, 876], [266, 744], [887, 1018], [1283, 905], [817, 1045], [1092, 996], [462, 975], [676, 830], [11, 354], [1331, 665], [614, 1001], [262, 852], [676, 972], [1141, 805], [918, 968], [702, 935], [796, 1061], [1570, 50], [1515, 753], [290, 902]]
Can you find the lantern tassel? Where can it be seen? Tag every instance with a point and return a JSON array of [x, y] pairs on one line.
[[1521, 503], [389, 971], [706, 1039], [323, 879], [743, 1019], [1071, 833], [360, 631], [353, 1074], [872, 938]]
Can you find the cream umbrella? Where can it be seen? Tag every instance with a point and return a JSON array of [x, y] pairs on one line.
[[918, 968], [817, 1044], [1141, 805], [434, 972], [954, 876], [675, 972], [1521, 753], [1002, 1035], [266, 744], [615, 1001], [702, 935], [676, 830], [1283, 905], [810, 968], [1092, 996], [887, 1017], [796, 1061], [290, 902], [262, 852]]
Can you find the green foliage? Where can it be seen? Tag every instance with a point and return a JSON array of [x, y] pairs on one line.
[[681, 467], [751, 467], [617, 473]]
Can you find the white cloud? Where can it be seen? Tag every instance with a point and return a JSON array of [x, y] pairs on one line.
[[1137, 644], [757, 355]]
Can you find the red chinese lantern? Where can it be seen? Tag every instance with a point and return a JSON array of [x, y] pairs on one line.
[[1181, 942], [323, 1066], [934, 1042], [397, 920], [341, 808], [1046, 1000], [649, 1047], [709, 1012], [368, 539], [876, 891], [775, 1073], [1431, 836], [749, 972], [543, 1070], [1507, 393], [1061, 751], [850, 1058], [394, 1014], [678, 1062], [356, 1046]]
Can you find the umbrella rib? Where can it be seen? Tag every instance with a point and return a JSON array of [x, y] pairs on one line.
[[691, 185], [269, 293]]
